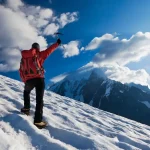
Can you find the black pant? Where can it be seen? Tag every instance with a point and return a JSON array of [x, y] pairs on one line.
[[39, 85]]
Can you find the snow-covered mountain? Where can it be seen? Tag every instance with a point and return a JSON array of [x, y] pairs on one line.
[[72, 125], [139, 86], [90, 85]]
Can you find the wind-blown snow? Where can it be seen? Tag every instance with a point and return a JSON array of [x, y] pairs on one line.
[[146, 103], [82, 73], [107, 93], [58, 78], [72, 125], [109, 87]]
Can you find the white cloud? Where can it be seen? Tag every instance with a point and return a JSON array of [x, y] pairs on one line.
[[21, 25], [97, 41], [122, 52], [60, 22], [13, 55], [71, 49], [82, 48], [67, 18], [15, 31], [14, 4], [115, 54], [37, 16], [51, 29], [125, 75], [46, 13]]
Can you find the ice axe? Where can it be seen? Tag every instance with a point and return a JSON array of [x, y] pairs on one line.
[[58, 34]]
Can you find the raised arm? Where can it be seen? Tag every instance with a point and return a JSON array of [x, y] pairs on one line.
[[44, 54]]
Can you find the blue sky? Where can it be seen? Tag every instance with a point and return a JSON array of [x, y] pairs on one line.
[[122, 18]]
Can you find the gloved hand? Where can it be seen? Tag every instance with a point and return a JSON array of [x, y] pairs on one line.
[[59, 41]]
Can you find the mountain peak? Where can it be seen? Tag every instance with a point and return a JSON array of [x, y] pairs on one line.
[[82, 73], [90, 85]]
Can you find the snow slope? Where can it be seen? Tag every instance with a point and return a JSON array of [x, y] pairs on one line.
[[72, 125]]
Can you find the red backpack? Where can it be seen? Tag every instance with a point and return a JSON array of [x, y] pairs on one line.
[[30, 66]]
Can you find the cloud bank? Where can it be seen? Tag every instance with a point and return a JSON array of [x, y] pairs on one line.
[[23, 24], [125, 75], [115, 54]]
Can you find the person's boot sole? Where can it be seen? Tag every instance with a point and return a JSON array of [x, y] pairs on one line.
[[40, 127], [26, 113]]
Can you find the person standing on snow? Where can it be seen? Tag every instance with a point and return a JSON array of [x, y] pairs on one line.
[[32, 74]]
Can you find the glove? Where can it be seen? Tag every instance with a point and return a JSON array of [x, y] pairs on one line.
[[59, 41]]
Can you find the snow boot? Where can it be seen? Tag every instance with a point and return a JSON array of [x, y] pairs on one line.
[[41, 124], [25, 111]]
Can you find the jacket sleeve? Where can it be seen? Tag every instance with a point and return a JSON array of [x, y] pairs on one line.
[[44, 54]]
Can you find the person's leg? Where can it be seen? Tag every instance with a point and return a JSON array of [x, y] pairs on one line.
[[40, 86], [29, 85]]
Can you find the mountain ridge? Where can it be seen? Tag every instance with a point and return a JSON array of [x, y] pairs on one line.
[[98, 91]]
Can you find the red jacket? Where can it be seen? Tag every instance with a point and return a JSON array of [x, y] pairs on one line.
[[42, 55]]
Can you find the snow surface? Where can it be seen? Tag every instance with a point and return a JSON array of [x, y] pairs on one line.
[[121, 91], [72, 125]]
